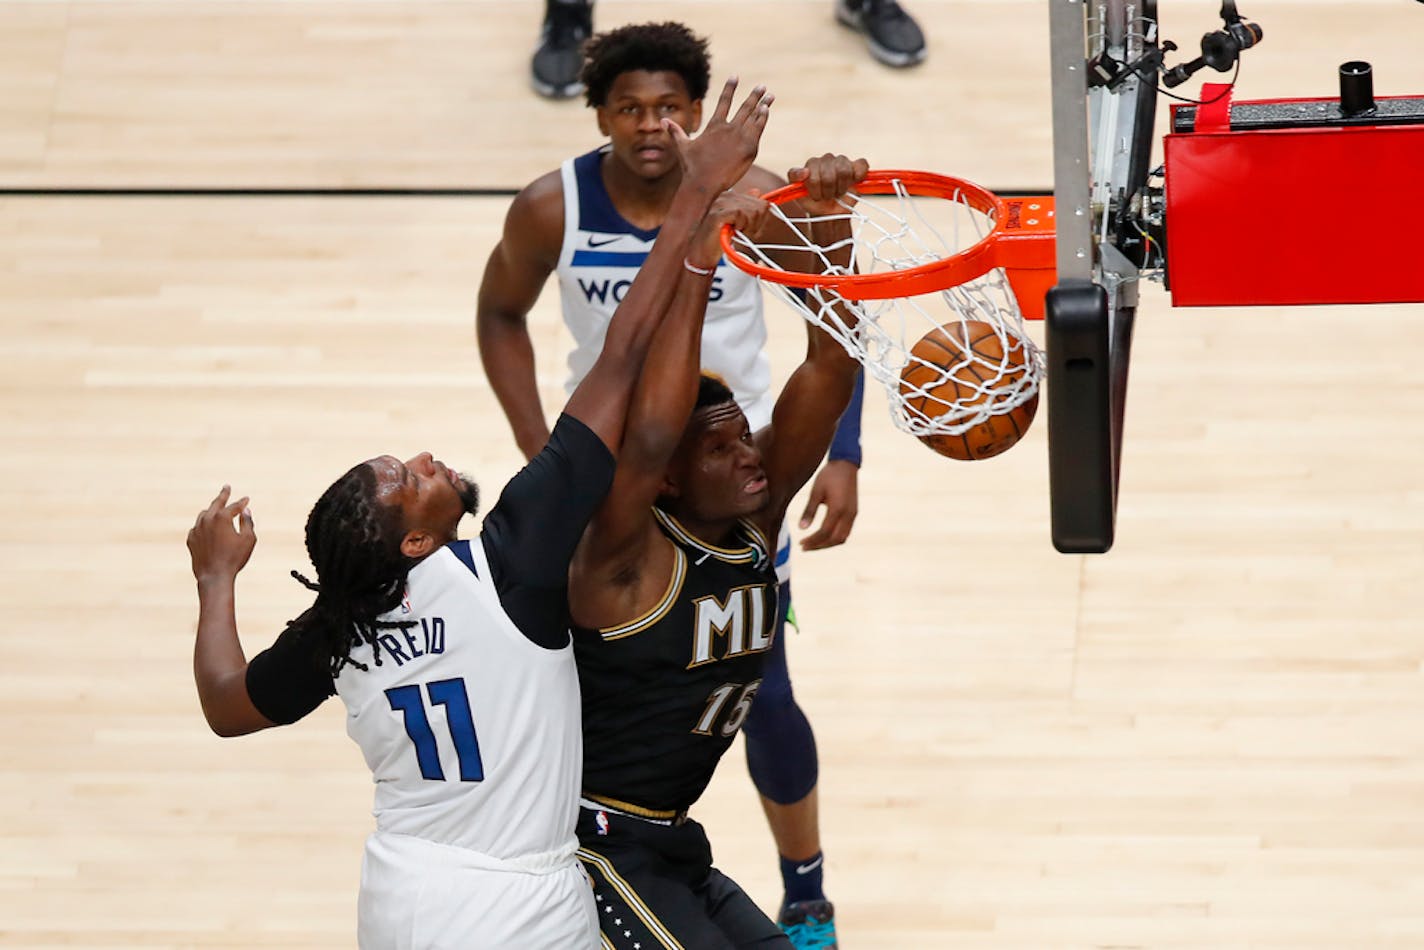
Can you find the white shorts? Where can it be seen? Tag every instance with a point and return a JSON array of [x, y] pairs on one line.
[[417, 895]]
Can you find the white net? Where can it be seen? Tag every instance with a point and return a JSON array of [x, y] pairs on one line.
[[947, 360]]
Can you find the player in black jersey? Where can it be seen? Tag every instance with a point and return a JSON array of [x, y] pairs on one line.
[[587, 224], [673, 598], [474, 837]]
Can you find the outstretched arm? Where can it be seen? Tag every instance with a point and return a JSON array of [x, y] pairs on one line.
[[818, 392], [836, 485], [219, 551], [607, 582], [713, 162], [835, 491], [518, 267]]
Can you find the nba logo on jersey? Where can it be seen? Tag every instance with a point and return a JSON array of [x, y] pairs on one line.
[[405, 603], [601, 820]]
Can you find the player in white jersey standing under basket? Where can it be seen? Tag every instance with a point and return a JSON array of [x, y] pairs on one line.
[[591, 223], [453, 658]]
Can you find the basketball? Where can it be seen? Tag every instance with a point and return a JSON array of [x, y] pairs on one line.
[[948, 372]]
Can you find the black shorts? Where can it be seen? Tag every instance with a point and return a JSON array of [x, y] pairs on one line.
[[655, 887]]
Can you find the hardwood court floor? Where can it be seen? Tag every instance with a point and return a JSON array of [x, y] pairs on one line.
[[1212, 737]]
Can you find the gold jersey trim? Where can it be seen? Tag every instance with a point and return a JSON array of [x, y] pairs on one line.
[[605, 869], [755, 551], [758, 540], [661, 609], [637, 811]]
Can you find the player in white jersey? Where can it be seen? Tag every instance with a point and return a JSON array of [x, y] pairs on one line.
[[600, 255], [589, 222], [453, 658]]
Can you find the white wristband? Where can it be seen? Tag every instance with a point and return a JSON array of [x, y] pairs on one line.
[[699, 271]]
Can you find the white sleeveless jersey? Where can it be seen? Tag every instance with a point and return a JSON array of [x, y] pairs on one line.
[[600, 255], [472, 732]]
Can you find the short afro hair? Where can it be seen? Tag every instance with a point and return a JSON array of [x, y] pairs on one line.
[[655, 47], [712, 391]]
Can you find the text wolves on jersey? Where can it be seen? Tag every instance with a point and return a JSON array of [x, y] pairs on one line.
[[607, 289]]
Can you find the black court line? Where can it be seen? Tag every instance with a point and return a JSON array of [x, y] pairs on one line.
[[202, 192]]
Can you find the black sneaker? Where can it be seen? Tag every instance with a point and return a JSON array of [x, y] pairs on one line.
[[892, 34], [810, 925], [554, 71]]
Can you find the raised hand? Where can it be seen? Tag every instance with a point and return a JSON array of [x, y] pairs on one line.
[[744, 212], [719, 157], [835, 490], [827, 178], [218, 549]]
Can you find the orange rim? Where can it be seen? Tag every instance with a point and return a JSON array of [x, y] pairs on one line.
[[1014, 242]]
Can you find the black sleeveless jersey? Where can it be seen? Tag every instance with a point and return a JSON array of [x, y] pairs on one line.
[[664, 695]]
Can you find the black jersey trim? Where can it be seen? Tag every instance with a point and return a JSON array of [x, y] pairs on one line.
[[609, 873], [661, 609], [745, 555], [758, 540]]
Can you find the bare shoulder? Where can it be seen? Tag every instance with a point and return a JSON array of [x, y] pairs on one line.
[[535, 219], [540, 202], [610, 588]]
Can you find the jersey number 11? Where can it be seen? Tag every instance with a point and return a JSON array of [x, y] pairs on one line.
[[451, 694]]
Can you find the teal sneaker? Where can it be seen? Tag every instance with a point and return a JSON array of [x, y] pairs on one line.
[[811, 925]]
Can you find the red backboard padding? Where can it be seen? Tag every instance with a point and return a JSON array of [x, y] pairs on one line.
[[1295, 216]]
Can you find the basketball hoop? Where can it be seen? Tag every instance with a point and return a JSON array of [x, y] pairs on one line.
[[930, 253]]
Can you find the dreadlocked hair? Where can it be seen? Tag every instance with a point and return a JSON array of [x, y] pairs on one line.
[[354, 543], [656, 47]]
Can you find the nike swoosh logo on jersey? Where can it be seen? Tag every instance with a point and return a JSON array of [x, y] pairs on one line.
[[592, 242], [808, 868]]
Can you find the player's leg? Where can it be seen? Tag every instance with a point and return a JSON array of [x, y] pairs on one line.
[[796, 828], [425, 896], [650, 888], [893, 36], [554, 70], [739, 918], [781, 756]]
